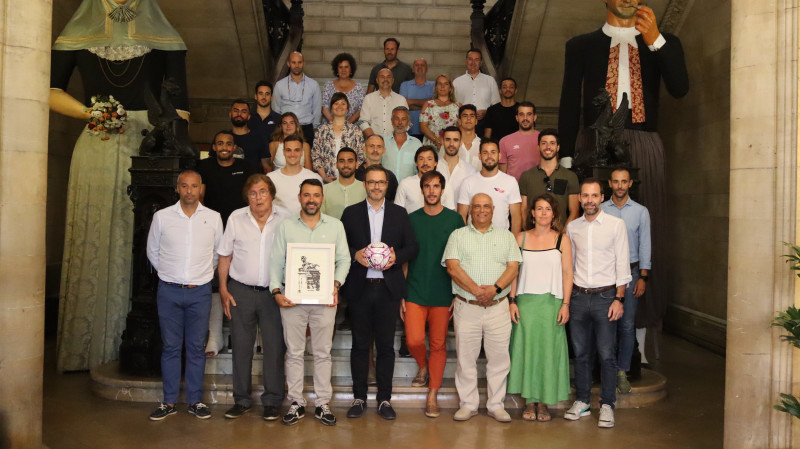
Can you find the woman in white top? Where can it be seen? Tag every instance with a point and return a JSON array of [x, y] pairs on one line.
[[289, 126], [539, 357]]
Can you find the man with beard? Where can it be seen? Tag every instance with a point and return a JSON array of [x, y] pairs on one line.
[[223, 177], [409, 194], [300, 94], [454, 164], [377, 108], [401, 147], [429, 297], [265, 119], [501, 188], [374, 294], [519, 151], [550, 177], [373, 155], [400, 70], [637, 222], [309, 226], [500, 117], [254, 144], [181, 247], [601, 272], [344, 191]]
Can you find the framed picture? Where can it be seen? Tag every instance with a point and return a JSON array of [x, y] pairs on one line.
[[309, 273]]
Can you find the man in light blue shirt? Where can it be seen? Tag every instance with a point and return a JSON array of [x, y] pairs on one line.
[[417, 92], [300, 94], [637, 222], [401, 148]]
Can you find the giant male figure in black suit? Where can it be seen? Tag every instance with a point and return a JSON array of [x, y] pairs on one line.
[[599, 60], [374, 295]]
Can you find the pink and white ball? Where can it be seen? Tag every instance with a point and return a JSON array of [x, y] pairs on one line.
[[377, 255]]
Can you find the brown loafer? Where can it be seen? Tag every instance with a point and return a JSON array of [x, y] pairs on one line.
[[420, 380], [432, 410]]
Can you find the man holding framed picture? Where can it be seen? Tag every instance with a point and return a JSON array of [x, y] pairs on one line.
[[311, 307]]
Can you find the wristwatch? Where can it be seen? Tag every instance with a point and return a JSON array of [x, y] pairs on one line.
[[497, 288], [643, 277], [620, 299], [276, 291]]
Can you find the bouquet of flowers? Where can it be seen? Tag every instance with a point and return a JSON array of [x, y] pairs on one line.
[[108, 116]]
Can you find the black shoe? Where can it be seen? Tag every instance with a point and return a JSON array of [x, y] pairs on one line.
[[403, 351], [162, 412], [357, 409], [294, 415], [236, 411], [271, 413], [200, 410], [325, 415], [386, 411]]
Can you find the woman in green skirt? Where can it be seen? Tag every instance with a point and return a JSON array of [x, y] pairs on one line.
[[539, 359]]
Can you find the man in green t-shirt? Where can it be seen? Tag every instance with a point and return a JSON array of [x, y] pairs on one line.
[[429, 298]]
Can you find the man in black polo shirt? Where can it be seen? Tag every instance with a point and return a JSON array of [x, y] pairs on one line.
[[223, 177], [254, 144], [264, 119]]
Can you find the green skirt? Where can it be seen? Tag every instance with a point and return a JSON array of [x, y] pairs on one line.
[[539, 358]]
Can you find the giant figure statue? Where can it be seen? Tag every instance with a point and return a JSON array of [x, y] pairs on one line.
[[121, 48], [628, 55]]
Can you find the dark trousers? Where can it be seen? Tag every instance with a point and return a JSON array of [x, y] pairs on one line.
[[183, 317], [373, 315], [589, 326], [256, 309], [308, 134]]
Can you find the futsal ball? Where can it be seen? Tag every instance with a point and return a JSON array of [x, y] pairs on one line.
[[377, 255]]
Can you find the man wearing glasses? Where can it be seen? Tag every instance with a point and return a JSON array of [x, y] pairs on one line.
[[552, 178]]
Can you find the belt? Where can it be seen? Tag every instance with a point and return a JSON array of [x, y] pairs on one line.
[[634, 264], [252, 287], [593, 291], [174, 284], [477, 303], [374, 280]]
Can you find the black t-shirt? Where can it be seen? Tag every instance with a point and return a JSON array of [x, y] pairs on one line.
[[224, 185], [255, 146], [502, 120], [391, 189], [266, 126]]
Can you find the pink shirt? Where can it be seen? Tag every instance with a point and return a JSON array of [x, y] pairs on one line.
[[520, 152]]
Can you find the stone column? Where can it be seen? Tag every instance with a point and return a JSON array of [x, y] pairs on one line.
[[24, 84], [763, 214]]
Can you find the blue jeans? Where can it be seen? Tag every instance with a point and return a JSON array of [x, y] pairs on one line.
[[589, 325], [183, 317], [626, 329]]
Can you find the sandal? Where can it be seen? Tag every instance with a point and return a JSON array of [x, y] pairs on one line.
[[542, 414], [529, 414]]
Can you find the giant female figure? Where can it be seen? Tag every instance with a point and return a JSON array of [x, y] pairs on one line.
[[120, 48]]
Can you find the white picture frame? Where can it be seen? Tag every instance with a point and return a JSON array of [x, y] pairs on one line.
[[309, 273]]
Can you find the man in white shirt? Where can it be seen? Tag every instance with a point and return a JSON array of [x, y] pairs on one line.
[[376, 110], [400, 146], [470, 142], [476, 88], [601, 274], [287, 180], [181, 247], [246, 301], [300, 94], [502, 188], [409, 194], [453, 164]]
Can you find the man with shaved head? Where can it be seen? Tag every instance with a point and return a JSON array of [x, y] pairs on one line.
[[376, 110], [482, 260], [300, 94]]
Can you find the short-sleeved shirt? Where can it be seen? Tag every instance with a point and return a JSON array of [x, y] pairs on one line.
[[484, 256], [520, 152], [338, 197], [255, 146], [401, 160], [376, 112], [401, 71], [480, 91], [288, 187], [565, 183], [413, 91], [427, 280], [502, 120], [224, 185], [502, 188], [265, 126]]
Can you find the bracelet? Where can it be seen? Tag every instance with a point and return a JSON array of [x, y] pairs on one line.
[[512, 300], [564, 303]]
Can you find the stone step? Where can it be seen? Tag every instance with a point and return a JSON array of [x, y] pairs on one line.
[[109, 383]]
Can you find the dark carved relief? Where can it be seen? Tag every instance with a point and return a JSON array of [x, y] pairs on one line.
[[496, 27]]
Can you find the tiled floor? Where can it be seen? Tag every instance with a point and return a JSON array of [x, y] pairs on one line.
[[690, 417]]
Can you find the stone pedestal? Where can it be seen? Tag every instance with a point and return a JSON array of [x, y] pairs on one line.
[[153, 181]]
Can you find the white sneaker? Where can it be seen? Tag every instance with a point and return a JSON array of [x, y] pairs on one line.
[[499, 414], [464, 414], [577, 410], [606, 417]]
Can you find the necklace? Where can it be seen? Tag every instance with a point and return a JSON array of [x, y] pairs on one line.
[[107, 66]]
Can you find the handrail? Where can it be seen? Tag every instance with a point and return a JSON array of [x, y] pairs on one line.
[[293, 43], [478, 38]]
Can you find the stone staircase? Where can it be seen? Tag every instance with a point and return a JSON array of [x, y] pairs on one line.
[[109, 383]]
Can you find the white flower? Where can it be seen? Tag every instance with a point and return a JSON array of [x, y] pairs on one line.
[[97, 114]]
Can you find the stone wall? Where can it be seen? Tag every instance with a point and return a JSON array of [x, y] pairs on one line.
[[696, 134]]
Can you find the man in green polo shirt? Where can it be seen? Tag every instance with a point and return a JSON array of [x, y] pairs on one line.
[[550, 177], [344, 191], [429, 298]]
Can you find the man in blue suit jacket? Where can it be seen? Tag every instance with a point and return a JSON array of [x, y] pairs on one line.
[[375, 295]]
